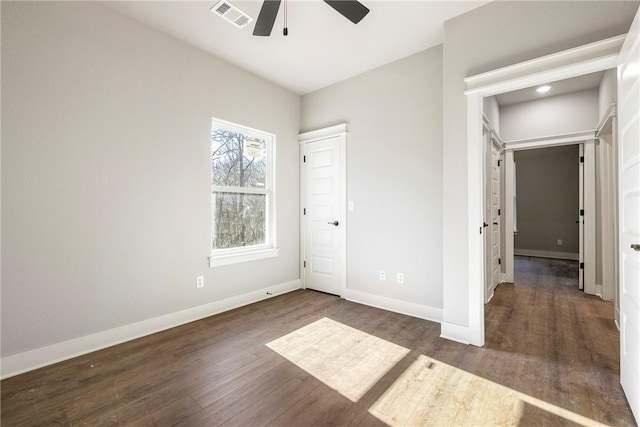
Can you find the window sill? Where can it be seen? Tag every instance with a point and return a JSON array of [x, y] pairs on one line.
[[220, 260]]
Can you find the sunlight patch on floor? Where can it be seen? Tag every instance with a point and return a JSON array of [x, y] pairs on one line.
[[430, 392], [346, 359]]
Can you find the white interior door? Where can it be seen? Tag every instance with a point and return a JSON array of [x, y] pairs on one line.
[[629, 214], [488, 277], [324, 240], [495, 216], [580, 216]]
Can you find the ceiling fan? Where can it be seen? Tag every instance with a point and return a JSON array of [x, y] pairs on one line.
[[353, 10]]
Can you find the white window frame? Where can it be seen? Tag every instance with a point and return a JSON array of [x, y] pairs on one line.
[[269, 249]]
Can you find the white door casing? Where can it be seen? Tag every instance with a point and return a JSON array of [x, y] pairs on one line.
[[629, 214], [607, 171], [509, 214], [323, 218]]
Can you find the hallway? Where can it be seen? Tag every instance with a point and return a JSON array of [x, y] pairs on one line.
[[563, 344]]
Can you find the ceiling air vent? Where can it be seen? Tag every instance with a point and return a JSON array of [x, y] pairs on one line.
[[231, 13]]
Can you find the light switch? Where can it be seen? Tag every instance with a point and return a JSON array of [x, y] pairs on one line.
[[350, 205]]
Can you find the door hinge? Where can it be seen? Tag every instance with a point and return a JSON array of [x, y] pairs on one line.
[[582, 266], [304, 264], [498, 212], [480, 230], [304, 159], [304, 211], [499, 260], [581, 159], [498, 163], [581, 212]]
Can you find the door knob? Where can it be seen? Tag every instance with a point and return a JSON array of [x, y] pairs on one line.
[[336, 223], [636, 247], [484, 224]]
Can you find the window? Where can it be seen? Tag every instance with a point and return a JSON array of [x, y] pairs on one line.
[[243, 196]]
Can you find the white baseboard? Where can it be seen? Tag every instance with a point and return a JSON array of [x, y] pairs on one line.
[[397, 306], [546, 254], [491, 294], [44, 356], [454, 332]]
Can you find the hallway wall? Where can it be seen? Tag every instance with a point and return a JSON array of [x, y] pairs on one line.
[[547, 196]]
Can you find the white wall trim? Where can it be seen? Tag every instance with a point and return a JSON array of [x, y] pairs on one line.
[[592, 57], [234, 258], [551, 140], [606, 121], [322, 133], [494, 135], [420, 311], [608, 206], [54, 353], [546, 254], [491, 292], [454, 332], [475, 213]]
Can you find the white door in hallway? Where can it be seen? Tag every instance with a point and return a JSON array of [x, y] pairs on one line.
[[495, 216], [324, 238], [629, 214]]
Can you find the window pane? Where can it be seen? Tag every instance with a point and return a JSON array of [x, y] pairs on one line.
[[237, 160], [239, 220]]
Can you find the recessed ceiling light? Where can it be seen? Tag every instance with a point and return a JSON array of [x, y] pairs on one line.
[[543, 89]]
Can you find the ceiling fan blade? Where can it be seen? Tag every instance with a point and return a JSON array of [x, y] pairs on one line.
[[266, 18], [353, 10]]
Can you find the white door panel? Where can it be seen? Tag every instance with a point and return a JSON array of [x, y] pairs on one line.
[[629, 215]]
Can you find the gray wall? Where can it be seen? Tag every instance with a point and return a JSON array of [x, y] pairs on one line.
[[607, 92], [106, 172], [394, 173], [493, 36], [547, 196], [553, 115]]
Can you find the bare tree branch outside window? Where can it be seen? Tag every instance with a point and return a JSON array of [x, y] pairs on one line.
[[239, 163]]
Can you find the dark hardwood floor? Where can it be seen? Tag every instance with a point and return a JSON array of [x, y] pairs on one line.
[[544, 339]]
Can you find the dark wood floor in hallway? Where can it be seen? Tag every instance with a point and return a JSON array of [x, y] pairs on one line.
[[307, 358]]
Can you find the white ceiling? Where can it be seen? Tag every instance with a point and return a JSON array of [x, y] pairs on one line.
[[322, 48], [588, 81]]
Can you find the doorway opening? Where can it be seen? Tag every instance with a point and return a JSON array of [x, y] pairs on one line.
[[621, 52], [559, 202]]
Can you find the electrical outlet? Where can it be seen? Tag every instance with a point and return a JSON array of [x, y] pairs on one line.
[[382, 275], [559, 242], [200, 282], [400, 278]]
